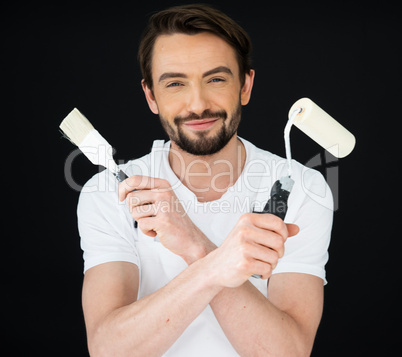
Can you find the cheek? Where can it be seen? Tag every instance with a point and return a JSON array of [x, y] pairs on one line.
[[169, 107], [167, 114], [234, 104], [226, 99]]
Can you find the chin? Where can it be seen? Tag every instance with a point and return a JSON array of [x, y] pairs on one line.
[[203, 145]]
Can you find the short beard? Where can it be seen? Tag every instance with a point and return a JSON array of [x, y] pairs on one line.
[[203, 145]]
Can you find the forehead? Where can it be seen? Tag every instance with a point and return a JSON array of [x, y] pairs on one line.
[[191, 54]]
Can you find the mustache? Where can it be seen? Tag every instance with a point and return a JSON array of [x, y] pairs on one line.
[[220, 114]]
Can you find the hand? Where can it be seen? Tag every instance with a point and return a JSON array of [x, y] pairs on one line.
[[252, 247], [158, 211]]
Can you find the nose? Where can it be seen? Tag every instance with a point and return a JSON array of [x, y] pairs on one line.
[[198, 100]]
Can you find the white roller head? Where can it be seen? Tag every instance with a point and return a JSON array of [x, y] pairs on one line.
[[322, 128]]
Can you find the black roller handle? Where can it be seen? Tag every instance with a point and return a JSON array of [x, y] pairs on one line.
[[278, 202]]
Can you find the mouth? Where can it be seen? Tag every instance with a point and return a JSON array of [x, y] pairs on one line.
[[201, 124]]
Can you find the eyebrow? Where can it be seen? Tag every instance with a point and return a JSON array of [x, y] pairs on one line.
[[219, 69]]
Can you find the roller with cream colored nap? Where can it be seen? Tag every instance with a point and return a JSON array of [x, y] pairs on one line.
[[323, 129], [320, 127]]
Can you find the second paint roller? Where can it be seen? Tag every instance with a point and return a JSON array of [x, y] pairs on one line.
[[322, 128]]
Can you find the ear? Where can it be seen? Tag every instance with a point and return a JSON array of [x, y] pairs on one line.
[[245, 93], [150, 98]]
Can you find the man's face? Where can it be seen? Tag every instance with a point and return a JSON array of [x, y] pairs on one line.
[[197, 91]]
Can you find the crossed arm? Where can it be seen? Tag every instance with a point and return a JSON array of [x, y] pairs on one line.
[[285, 324]]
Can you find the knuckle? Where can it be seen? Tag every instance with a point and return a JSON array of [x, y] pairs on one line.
[[133, 181], [163, 218], [244, 250], [244, 233], [244, 265], [274, 260], [281, 252], [245, 218], [276, 222], [277, 242], [267, 271], [132, 201], [162, 185], [132, 197]]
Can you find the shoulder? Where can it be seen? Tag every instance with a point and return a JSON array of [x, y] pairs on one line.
[[256, 153], [105, 225]]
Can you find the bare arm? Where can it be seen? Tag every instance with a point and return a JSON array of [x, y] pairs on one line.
[[285, 324], [119, 325]]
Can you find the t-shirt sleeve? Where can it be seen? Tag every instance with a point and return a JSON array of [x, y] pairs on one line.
[[106, 230], [312, 211]]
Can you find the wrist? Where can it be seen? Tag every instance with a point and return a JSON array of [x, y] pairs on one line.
[[210, 268], [200, 250], [206, 275]]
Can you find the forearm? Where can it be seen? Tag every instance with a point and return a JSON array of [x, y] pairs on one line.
[[254, 326], [149, 326]]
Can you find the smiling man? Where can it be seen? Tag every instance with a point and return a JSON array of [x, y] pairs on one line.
[[169, 253], [210, 130]]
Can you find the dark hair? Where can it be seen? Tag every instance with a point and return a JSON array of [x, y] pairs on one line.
[[191, 20]]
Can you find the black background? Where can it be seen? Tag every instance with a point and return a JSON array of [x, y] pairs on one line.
[[59, 56]]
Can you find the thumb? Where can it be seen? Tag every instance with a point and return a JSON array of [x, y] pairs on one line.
[[293, 229]]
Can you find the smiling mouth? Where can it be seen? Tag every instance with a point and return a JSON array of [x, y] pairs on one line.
[[201, 124]]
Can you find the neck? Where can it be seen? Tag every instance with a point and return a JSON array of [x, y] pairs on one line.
[[209, 177]]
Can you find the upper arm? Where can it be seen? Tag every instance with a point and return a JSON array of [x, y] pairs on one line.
[[107, 287], [301, 296]]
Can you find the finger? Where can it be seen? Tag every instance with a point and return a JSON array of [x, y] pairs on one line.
[[265, 254], [293, 229], [139, 182], [140, 197], [147, 210], [130, 184], [271, 241], [269, 222], [147, 226], [262, 269]]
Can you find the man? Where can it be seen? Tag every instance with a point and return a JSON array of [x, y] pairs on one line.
[[169, 253]]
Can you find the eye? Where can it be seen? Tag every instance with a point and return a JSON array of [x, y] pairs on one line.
[[216, 80], [173, 84]]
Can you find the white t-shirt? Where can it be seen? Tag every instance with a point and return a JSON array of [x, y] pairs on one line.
[[108, 234]]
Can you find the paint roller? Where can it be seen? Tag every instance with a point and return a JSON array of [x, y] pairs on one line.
[[322, 128], [325, 131]]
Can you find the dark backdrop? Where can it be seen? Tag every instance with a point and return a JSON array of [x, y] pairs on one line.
[[56, 57]]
